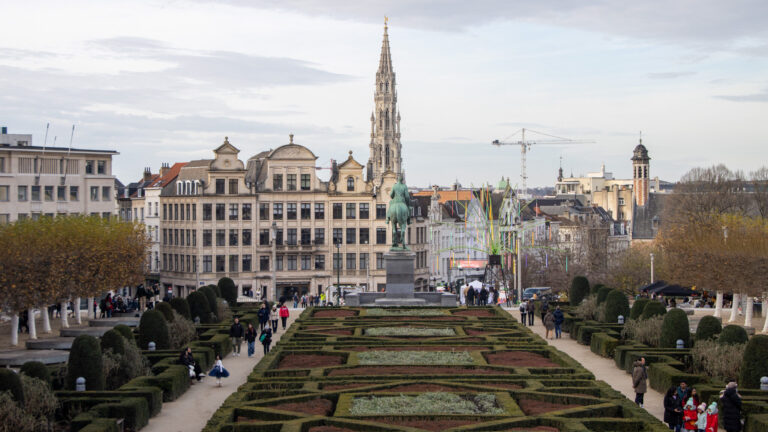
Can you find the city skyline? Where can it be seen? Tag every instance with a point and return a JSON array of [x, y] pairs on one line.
[[165, 82]]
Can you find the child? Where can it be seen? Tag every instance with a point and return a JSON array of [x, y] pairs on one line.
[[712, 419], [689, 416], [218, 371], [701, 422], [273, 317]]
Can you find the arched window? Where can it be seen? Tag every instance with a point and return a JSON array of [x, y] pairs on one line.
[[387, 87], [386, 155], [350, 184], [179, 188], [188, 187]]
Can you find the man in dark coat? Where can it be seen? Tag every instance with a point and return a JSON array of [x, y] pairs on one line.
[[531, 311], [263, 316], [640, 380], [730, 410], [559, 318], [673, 412], [523, 313], [236, 332], [471, 296]]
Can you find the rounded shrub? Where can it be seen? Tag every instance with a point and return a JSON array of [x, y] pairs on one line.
[[616, 304], [85, 361], [733, 334], [153, 328], [228, 290], [11, 381], [652, 309], [637, 308], [125, 332], [579, 290], [114, 341], [602, 294], [36, 369], [709, 327], [595, 288], [165, 309], [210, 296], [199, 306], [181, 306], [674, 327], [216, 290], [753, 365]]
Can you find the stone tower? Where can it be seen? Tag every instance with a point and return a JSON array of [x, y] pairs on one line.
[[385, 120], [640, 174]]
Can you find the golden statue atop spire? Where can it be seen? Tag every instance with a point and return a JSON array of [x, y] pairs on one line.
[[386, 20]]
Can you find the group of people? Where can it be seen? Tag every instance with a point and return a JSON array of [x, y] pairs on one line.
[[308, 300], [551, 319], [268, 325], [479, 296]]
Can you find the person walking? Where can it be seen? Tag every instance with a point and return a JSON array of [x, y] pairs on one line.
[[263, 315], [273, 315], [531, 308], [236, 332], [730, 402], [470, 296], [295, 300], [218, 371], [284, 314], [640, 380], [673, 412], [544, 309], [266, 338], [549, 324], [559, 318], [250, 339], [523, 312]]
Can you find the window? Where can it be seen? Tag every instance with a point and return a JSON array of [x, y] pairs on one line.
[[2, 165], [246, 263], [319, 262], [176, 212], [233, 237], [189, 210], [291, 258], [306, 211], [189, 237], [89, 167], [379, 260], [175, 237], [319, 236], [279, 263], [207, 264], [48, 190], [264, 237], [233, 208], [306, 236], [207, 209], [194, 237], [4, 193], [94, 193], [292, 236], [106, 193], [61, 193], [621, 200], [381, 236], [35, 193], [351, 210], [264, 262], [351, 236], [306, 262], [5, 218], [290, 211], [246, 237], [319, 211], [381, 211], [337, 211], [221, 237], [101, 167], [350, 184], [277, 211], [337, 235], [233, 186], [165, 236], [74, 193], [246, 212], [364, 236], [291, 182], [351, 258], [220, 263], [264, 211], [305, 179], [220, 186], [220, 209], [233, 260], [207, 241], [22, 193], [364, 210], [279, 236], [277, 182], [363, 261], [337, 261]]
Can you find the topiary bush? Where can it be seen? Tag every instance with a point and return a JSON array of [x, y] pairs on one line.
[[709, 327], [85, 361], [228, 290], [199, 307], [602, 294], [166, 310], [733, 334], [181, 306], [579, 290], [653, 308], [616, 304], [126, 332], [114, 341], [595, 288], [674, 327], [754, 364], [153, 328], [210, 296], [37, 370], [637, 308], [11, 381], [216, 290]]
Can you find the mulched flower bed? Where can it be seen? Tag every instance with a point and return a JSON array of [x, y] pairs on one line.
[[414, 370], [420, 348], [475, 332], [519, 359], [536, 429], [343, 332], [315, 407], [329, 429], [306, 361], [533, 407], [426, 424], [421, 318], [334, 313], [414, 388], [506, 386], [475, 312], [345, 386], [242, 419]]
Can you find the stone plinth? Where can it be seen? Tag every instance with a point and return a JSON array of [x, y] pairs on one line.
[[129, 321], [19, 357], [59, 343], [90, 331]]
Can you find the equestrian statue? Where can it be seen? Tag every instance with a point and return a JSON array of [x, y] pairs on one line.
[[399, 211]]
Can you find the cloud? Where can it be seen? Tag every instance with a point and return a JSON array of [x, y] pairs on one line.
[[755, 97], [669, 75]]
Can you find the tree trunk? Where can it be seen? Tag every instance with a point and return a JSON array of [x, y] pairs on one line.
[[15, 329], [64, 322], [76, 307], [91, 311], [748, 311], [719, 305], [46, 319], [735, 307], [31, 323]]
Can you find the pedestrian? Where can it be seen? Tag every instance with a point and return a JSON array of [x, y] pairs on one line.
[[187, 359], [683, 393], [470, 296], [531, 308], [250, 338], [266, 338], [544, 309], [712, 418], [236, 332], [523, 312], [549, 324], [218, 371], [483, 296], [263, 315], [701, 422], [322, 299], [673, 413], [273, 315], [559, 318], [640, 380], [295, 300], [284, 314], [730, 402], [689, 415], [695, 396]]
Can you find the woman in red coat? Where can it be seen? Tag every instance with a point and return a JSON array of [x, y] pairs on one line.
[[284, 314]]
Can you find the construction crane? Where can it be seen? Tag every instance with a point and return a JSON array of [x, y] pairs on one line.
[[525, 145]]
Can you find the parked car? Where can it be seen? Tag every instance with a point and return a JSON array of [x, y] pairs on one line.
[[528, 293]]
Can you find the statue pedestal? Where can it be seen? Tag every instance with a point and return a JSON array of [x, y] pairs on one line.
[[400, 277]]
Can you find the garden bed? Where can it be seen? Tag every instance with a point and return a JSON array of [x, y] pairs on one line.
[[420, 388], [429, 424], [420, 348], [534, 407], [410, 331], [414, 358], [415, 370], [334, 313], [475, 312], [405, 312], [315, 407], [306, 361], [427, 403], [519, 359]]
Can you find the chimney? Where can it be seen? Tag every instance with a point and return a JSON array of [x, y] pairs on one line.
[[147, 174], [164, 168]]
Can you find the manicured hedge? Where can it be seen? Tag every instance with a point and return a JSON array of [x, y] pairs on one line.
[[637, 308], [114, 341], [199, 306], [153, 328], [210, 296], [709, 327], [662, 376], [616, 304], [85, 361], [653, 308], [579, 290], [181, 306], [10, 381], [755, 362], [603, 344], [674, 327], [602, 294], [37, 370], [126, 332], [173, 381], [134, 411], [166, 309], [228, 290], [733, 334]]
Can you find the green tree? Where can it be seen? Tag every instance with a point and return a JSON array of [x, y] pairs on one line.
[[199, 307], [754, 365], [602, 294], [616, 304], [653, 308], [153, 328], [181, 306], [228, 290], [709, 327], [733, 334], [210, 296], [579, 290], [10, 381], [166, 310], [637, 308], [85, 361], [674, 327]]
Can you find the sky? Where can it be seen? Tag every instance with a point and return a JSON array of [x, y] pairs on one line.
[[166, 81]]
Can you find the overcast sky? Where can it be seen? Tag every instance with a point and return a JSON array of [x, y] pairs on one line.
[[165, 81]]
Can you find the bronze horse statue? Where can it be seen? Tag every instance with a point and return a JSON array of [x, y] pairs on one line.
[[399, 212]]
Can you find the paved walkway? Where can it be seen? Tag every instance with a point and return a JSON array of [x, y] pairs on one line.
[[194, 408]]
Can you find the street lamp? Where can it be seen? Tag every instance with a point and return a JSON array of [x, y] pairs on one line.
[[651, 267], [338, 273], [273, 238]]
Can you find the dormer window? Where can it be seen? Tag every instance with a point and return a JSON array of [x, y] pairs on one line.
[[350, 184]]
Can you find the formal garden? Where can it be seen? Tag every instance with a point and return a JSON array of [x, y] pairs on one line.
[[411, 369]]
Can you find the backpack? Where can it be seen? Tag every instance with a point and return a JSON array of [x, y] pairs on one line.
[[262, 337]]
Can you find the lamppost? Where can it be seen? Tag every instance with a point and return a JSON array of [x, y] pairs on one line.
[[273, 237], [651, 267], [338, 273]]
